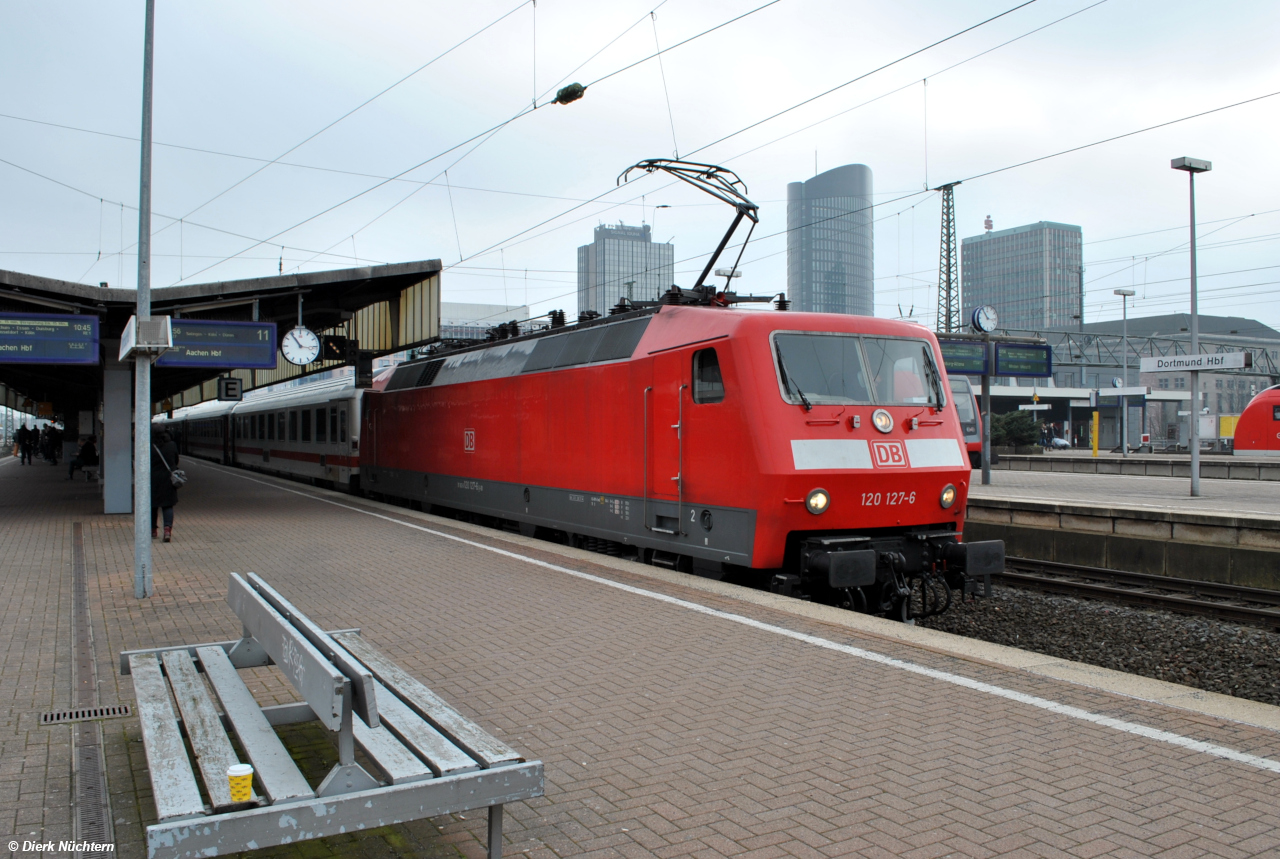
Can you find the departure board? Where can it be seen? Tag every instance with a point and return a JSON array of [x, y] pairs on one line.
[[48, 338], [221, 345], [1018, 360], [964, 357]]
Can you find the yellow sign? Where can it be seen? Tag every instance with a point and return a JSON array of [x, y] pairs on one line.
[[1227, 425], [44, 410]]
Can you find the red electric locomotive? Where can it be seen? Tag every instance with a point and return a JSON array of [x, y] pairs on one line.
[[1258, 430], [822, 450]]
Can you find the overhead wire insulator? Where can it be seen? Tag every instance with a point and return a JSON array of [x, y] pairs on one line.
[[570, 93]]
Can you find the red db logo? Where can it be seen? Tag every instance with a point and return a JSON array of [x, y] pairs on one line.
[[469, 440], [889, 454]]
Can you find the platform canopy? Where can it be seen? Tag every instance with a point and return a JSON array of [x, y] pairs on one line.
[[385, 308]]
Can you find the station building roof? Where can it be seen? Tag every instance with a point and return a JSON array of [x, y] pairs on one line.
[[387, 308]]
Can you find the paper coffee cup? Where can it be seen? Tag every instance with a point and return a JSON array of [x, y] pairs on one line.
[[240, 777]]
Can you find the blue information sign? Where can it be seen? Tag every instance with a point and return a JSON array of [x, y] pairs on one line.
[[1015, 359], [221, 345], [964, 357], [48, 338]]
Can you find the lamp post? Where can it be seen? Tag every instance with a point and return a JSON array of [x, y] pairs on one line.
[[1192, 166], [1125, 295], [142, 569]]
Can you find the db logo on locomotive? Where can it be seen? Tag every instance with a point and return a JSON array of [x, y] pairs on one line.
[[469, 440], [889, 454]]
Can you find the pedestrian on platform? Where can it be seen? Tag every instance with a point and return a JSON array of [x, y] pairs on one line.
[[55, 444], [87, 455], [164, 490], [27, 444]]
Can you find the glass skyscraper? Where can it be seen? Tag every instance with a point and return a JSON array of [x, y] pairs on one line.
[[830, 262], [1031, 275], [622, 262]]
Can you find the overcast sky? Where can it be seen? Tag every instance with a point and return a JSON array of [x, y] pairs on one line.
[[250, 80]]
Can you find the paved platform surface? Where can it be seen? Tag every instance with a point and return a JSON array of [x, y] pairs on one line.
[[1258, 499], [675, 717]]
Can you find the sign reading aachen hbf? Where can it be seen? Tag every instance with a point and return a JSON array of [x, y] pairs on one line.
[[218, 344], [48, 338], [1181, 363]]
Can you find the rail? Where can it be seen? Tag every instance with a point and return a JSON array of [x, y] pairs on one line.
[[1252, 606]]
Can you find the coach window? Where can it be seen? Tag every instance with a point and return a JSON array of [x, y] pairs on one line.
[[333, 424], [342, 425], [280, 424], [305, 418], [320, 422], [271, 427], [708, 385], [293, 426]]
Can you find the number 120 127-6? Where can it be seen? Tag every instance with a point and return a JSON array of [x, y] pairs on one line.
[[891, 499]]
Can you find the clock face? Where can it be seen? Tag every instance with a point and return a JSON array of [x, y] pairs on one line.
[[985, 319], [300, 346]]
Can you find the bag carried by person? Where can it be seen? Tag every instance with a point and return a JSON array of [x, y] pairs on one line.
[[176, 475]]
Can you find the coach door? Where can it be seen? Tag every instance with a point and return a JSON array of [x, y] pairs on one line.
[[665, 410]]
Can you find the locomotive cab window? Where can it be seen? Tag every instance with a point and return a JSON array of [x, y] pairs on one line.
[[708, 384], [1275, 413], [838, 369]]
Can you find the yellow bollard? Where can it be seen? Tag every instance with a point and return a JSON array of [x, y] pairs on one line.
[[1095, 433]]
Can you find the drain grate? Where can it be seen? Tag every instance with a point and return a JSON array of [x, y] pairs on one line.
[[84, 714], [92, 823]]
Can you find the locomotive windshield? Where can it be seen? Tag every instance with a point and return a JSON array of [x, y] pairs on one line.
[[840, 369]]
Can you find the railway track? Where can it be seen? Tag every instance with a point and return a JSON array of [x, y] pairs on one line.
[[1252, 606]]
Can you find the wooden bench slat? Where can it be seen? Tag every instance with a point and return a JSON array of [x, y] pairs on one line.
[[397, 763], [441, 755], [315, 678], [489, 751], [209, 740], [173, 784], [272, 764], [362, 697]]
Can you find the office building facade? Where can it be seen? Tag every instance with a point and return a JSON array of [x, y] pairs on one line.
[[622, 261], [1031, 275], [830, 256]]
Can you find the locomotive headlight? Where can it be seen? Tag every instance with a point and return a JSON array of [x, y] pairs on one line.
[[817, 501], [882, 419], [948, 496]]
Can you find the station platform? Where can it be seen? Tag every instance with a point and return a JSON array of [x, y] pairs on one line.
[[1230, 534], [1212, 466], [675, 716]]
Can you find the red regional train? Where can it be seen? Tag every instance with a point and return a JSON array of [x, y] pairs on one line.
[[1258, 430], [821, 454]]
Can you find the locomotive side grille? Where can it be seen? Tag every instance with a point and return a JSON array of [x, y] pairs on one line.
[[579, 348], [429, 372], [620, 341], [545, 354], [403, 377]]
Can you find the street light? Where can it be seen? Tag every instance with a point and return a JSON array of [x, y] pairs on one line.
[[1125, 295], [1192, 166], [654, 225]]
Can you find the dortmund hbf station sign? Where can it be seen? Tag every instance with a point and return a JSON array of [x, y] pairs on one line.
[[48, 338]]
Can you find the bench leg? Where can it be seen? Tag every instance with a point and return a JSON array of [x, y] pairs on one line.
[[495, 832]]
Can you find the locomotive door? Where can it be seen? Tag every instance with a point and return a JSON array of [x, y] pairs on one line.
[[666, 413]]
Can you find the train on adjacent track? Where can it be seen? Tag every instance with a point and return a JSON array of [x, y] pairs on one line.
[[1258, 430], [821, 454]]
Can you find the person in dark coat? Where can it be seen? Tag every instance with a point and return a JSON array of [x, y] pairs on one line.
[[164, 458], [88, 455], [27, 444]]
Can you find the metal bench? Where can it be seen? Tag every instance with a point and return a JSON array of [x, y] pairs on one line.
[[431, 759]]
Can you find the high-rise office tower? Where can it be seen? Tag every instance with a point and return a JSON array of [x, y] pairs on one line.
[[1031, 275], [829, 242], [622, 262]]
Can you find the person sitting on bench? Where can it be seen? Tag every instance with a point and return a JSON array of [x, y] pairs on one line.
[[88, 455]]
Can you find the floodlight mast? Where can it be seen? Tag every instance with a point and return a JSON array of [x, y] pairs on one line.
[[720, 183]]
